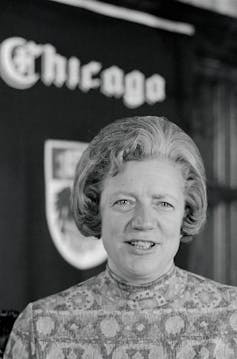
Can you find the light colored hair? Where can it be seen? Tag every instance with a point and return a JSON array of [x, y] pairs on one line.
[[137, 138]]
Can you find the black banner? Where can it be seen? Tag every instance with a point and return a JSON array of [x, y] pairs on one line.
[[66, 72]]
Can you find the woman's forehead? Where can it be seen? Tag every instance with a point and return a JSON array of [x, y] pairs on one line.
[[152, 176]]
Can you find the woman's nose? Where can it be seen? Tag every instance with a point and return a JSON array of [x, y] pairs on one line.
[[143, 218]]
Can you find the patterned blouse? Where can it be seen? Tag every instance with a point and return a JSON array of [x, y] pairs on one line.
[[180, 315]]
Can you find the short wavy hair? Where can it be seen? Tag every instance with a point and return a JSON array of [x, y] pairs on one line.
[[137, 138]]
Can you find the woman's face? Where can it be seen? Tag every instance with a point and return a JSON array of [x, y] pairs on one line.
[[142, 210]]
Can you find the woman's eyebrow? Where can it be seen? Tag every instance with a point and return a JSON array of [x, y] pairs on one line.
[[164, 196], [121, 192], [154, 196]]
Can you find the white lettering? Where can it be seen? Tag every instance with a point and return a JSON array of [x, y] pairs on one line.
[[134, 89], [17, 62], [87, 73], [53, 67], [112, 82], [17, 69], [73, 73], [155, 89]]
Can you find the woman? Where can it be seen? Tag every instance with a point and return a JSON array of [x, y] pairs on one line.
[[140, 185]]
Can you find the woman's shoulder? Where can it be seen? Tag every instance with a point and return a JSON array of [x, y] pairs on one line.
[[44, 316], [205, 289], [198, 279], [76, 297]]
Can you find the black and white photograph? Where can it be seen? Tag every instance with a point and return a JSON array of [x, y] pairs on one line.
[[118, 200]]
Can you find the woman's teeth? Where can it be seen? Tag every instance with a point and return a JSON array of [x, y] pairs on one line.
[[142, 244]]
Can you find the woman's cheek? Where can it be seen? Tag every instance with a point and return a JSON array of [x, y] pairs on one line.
[[172, 226]]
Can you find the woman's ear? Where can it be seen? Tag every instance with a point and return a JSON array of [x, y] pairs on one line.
[[183, 236], [186, 238]]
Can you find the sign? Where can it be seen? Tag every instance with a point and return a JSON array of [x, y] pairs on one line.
[[61, 158], [18, 69]]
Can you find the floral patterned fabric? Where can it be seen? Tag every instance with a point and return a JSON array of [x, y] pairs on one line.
[[181, 315]]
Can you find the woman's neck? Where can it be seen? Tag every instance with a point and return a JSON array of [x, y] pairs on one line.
[[132, 279]]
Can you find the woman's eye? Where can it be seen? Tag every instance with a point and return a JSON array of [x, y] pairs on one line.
[[123, 203], [165, 205]]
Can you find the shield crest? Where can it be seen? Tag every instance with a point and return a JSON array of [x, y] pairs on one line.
[[60, 159]]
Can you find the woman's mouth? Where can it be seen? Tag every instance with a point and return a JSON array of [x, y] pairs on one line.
[[141, 244]]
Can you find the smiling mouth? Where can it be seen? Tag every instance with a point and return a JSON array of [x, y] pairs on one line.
[[142, 244]]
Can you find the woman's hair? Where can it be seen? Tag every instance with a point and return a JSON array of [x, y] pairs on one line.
[[137, 138]]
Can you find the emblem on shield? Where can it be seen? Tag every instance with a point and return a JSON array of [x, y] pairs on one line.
[[60, 159]]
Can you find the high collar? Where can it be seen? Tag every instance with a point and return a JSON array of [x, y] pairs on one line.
[[150, 295]]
